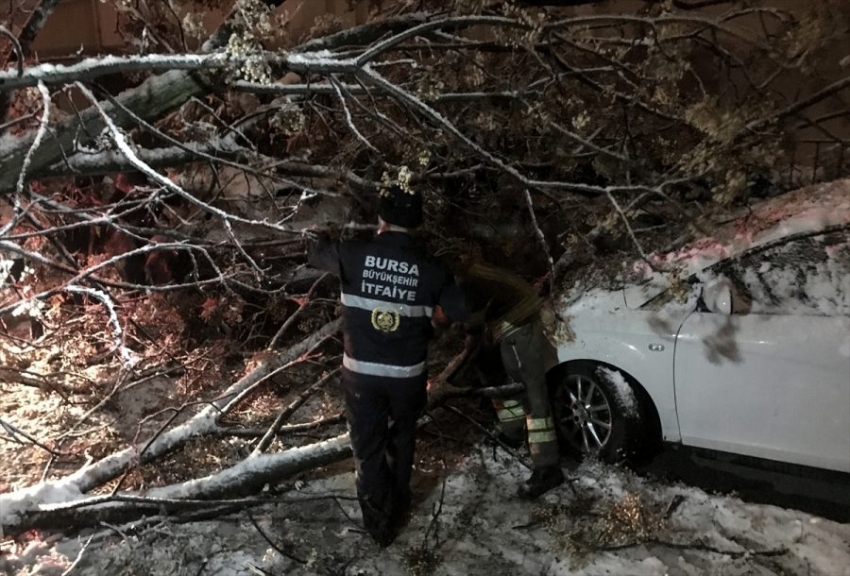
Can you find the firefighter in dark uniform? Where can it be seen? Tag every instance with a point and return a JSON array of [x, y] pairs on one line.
[[390, 289], [507, 324]]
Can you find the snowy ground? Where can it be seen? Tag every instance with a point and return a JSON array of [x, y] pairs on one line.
[[606, 522]]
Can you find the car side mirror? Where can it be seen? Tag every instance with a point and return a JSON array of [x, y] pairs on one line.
[[717, 297]]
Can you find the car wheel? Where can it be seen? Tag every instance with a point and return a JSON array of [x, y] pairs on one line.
[[596, 412]]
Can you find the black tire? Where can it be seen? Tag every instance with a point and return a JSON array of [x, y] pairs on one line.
[[583, 432]]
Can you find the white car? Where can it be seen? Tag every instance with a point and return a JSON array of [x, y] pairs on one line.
[[746, 349]]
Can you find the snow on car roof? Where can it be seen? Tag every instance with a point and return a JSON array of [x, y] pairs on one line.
[[806, 210]]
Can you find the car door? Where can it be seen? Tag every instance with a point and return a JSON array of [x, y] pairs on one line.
[[772, 379]]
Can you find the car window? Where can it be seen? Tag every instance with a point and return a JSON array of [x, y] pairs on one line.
[[805, 276]]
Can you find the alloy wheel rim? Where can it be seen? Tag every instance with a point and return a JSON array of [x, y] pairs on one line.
[[586, 418]]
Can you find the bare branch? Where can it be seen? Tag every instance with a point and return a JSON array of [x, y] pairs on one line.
[[154, 96], [366, 33], [819, 96], [14, 432], [439, 24], [91, 68], [42, 130], [438, 119], [117, 331], [295, 315], [627, 225], [35, 23], [349, 120], [124, 147], [16, 46], [287, 412], [543, 243], [111, 161]]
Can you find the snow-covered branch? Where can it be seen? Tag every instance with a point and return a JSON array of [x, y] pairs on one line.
[[112, 161], [125, 148], [117, 331], [16, 47], [16, 505], [149, 100], [95, 67], [444, 123]]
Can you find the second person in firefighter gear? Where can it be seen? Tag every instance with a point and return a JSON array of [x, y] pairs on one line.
[[390, 289], [506, 321]]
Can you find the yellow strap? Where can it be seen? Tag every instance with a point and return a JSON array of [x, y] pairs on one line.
[[510, 414], [540, 423], [542, 437]]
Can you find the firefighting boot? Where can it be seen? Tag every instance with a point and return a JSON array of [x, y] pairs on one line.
[[377, 523], [401, 512], [541, 481]]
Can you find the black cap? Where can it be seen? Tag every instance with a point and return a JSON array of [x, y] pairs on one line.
[[401, 208]]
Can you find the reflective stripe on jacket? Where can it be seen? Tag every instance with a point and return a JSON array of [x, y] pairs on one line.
[[389, 291]]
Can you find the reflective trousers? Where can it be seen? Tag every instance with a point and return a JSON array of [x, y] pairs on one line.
[[523, 355], [382, 414]]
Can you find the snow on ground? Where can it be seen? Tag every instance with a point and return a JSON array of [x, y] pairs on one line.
[[605, 522]]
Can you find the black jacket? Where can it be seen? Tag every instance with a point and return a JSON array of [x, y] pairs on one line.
[[389, 291]]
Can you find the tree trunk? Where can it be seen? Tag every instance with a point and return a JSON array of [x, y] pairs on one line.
[[154, 97]]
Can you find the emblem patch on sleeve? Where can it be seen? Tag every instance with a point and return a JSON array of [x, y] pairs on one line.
[[385, 319]]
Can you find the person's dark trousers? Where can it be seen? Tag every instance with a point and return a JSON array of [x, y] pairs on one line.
[[382, 414], [523, 352]]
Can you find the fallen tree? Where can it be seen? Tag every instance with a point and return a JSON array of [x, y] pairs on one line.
[[542, 137], [59, 503]]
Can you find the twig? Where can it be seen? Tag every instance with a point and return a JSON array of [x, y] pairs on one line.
[[118, 332], [39, 136], [15, 432], [349, 120], [695, 546], [628, 226], [227, 408], [436, 510], [16, 46], [294, 316], [40, 381], [288, 411], [489, 434], [756, 125], [336, 500], [122, 376], [145, 502], [78, 558], [543, 242], [257, 570], [303, 427], [272, 544], [116, 529]]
